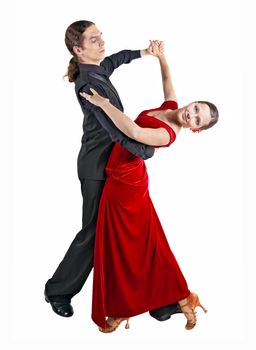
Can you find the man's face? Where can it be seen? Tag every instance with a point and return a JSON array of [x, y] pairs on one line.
[[92, 50]]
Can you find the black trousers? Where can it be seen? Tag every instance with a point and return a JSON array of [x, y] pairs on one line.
[[72, 272]]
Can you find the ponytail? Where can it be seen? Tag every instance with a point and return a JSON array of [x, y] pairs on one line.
[[73, 70]]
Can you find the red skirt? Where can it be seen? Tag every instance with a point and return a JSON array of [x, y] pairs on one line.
[[134, 268]]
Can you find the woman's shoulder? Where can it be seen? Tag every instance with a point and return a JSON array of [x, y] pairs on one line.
[[169, 104]]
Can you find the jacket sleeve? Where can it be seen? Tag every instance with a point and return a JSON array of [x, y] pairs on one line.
[[138, 149], [112, 62]]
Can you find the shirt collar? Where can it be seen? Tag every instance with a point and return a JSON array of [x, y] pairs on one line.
[[92, 68]]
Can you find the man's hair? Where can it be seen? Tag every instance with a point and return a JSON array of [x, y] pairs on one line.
[[74, 37]]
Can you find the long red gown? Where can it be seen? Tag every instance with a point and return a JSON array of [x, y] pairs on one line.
[[134, 268]]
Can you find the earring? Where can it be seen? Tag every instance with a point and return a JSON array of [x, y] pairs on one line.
[[195, 130]]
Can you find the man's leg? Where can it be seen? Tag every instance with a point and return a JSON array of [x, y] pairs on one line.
[[164, 313], [77, 263]]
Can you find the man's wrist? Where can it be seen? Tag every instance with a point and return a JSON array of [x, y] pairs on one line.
[[144, 52]]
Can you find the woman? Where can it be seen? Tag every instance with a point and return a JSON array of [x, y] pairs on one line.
[[134, 267]]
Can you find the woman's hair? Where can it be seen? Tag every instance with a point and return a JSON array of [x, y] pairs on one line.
[[74, 37], [214, 115]]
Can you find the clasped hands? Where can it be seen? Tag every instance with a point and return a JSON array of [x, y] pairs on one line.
[[156, 48]]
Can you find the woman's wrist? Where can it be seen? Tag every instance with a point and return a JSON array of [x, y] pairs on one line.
[[104, 103], [161, 56]]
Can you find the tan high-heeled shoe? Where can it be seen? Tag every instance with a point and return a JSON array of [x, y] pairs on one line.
[[113, 323], [191, 302]]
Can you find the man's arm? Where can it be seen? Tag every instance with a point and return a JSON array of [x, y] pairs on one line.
[[138, 149], [112, 62]]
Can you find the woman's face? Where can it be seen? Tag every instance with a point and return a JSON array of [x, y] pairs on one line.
[[195, 115]]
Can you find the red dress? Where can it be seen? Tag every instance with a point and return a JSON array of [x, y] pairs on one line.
[[134, 268]]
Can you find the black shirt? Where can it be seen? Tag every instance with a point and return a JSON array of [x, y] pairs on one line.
[[100, 133]]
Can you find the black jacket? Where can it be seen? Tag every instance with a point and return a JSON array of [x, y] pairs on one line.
[[100, 133]]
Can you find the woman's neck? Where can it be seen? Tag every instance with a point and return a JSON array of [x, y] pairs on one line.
[[172, 116], [172, 119]]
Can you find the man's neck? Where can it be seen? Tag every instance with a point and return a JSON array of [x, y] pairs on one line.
[[96, 63]]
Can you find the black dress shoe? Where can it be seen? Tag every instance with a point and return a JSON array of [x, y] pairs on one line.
[[61, 308], [165, 312]]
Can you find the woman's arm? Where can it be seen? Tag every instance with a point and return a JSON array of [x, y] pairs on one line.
[[137, 148], [169, 92], [158, 51], [148, 136]]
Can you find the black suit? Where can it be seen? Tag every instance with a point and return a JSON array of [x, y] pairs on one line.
[[98, 139]]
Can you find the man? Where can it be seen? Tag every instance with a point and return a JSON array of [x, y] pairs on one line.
[[88, 69]]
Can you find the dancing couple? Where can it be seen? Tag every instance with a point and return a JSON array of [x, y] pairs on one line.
[[135, 270]]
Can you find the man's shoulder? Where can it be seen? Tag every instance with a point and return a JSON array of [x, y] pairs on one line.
[[85, 79]]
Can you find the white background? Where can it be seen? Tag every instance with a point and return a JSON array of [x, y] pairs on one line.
[[196, 184]]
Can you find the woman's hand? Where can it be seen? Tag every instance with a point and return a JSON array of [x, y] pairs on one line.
[[95, 99]]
